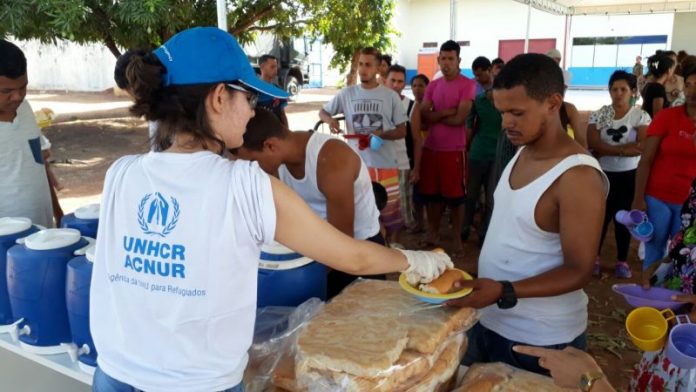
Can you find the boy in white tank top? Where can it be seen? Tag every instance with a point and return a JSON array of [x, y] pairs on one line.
[[549, 205], [325, 172]]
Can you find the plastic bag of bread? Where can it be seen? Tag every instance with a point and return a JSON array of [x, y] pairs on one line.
[[376, 337], [414, 372], [275, 335], [500, 377]]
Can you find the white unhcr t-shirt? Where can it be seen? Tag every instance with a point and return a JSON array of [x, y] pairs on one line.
[[369, 110], [24, 188], [173, 296]]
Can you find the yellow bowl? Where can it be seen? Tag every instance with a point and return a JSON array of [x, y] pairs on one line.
[[648, 327], [435, 298]]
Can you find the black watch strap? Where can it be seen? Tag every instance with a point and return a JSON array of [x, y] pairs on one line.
[[509, 298]]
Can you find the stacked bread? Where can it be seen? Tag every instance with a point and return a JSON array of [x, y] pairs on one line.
[[376, 337], [499, 377]]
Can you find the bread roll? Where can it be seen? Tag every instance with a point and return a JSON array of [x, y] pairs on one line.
[[442, 285]]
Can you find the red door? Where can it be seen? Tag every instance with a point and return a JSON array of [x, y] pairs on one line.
[[509, 48], [427, 64], [542, 45]]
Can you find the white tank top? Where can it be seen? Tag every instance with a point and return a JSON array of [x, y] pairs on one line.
[[516, 248], [366, 221]]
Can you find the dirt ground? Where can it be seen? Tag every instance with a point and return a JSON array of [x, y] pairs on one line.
[[85, 145]]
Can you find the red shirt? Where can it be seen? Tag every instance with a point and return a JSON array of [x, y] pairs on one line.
[[675, 162]]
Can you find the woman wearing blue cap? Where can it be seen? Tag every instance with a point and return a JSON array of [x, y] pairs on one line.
[[173, 295]]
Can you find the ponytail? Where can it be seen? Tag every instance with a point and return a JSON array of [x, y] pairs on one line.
[[176, 109], [659, 64]]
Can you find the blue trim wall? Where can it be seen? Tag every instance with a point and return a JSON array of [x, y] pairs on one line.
[[582, 76], [593, 76]]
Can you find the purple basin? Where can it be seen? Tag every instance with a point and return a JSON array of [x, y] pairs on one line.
[[654, 297]]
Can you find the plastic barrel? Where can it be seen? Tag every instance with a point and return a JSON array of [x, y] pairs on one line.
[[79, 277], [85, 220], [11, 229], [36, 274], [287, 278]]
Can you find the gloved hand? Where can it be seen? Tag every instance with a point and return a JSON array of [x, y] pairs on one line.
[[424, 266]]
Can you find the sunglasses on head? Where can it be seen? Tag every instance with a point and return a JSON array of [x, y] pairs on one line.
[[252, 96]]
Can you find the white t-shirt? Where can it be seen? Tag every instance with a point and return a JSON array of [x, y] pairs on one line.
[[369, 110], [621, 131], [366, 215], [24, 190], [173, 296]]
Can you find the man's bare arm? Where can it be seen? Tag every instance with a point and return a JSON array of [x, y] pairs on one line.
[[462, 112], [433, 117], [394, 134], [417, 144], [337, 170], [328, 119]]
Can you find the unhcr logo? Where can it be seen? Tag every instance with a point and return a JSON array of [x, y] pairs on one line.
[[157, 215]]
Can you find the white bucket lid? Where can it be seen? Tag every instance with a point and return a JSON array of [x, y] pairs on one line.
[[279, 249], [9, 226], [52, 239], [90, 211], [90, 254], [276, 248]]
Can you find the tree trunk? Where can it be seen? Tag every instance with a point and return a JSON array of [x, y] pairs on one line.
[[112, 46], [351, 78]]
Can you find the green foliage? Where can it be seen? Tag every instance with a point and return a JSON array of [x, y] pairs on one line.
[[346, 24], [353, 24]]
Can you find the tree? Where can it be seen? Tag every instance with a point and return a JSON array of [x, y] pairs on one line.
[[346, 24], [352, 25]]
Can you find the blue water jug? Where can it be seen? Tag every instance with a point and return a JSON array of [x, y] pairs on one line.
[[286, 278], [79, 277], [85, 219], [36, 272], [11, 229]]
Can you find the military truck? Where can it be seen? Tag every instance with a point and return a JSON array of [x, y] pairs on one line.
[[293, 64]]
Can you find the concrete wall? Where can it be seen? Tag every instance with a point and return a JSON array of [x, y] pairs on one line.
[[684, 32], [483, 23], [68, 66]]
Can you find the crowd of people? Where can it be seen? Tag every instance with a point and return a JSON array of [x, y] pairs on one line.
[[505, 145]]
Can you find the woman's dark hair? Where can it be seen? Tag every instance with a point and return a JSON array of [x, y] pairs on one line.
[[122, 63], [688, 69], [421, 77], [659, 64], [623, 75], [176, 109], [688, 63]]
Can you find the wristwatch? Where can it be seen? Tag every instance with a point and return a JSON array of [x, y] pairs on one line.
[[588, 379], [509, 298]]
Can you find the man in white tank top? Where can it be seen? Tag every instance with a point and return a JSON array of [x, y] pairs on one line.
[[541, 243], [325, 172]]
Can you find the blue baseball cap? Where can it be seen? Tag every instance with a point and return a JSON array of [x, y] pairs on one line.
[[209, 55]]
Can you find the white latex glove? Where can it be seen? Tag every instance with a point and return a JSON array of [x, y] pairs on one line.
[[424, 266]]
